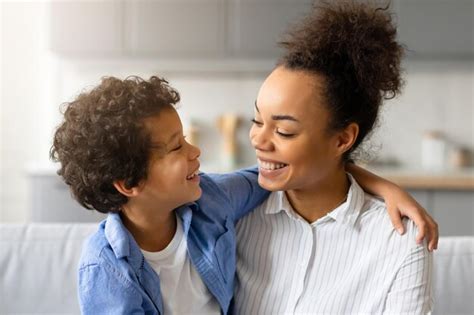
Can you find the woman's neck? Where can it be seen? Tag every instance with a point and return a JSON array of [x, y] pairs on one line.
[[153, 231], [316, 201]]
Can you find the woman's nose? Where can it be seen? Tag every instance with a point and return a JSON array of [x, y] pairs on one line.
[[259, 139]]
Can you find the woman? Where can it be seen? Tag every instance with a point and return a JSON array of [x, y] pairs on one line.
[[319, 244]]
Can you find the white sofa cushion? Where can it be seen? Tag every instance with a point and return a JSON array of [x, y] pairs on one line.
[[38, 264], [454, 276], [38, 269]]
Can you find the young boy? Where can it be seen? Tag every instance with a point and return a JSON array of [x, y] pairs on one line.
[[168, 244], [122, 152]]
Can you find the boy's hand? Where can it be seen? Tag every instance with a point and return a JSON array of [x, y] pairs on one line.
[[399, 204]]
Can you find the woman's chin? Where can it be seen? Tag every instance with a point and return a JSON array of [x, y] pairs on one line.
[[270, 185]]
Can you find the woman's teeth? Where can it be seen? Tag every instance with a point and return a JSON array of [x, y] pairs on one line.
[[271, 166], [193, 175]]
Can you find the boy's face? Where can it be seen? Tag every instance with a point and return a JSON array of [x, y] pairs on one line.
[[173, 166]]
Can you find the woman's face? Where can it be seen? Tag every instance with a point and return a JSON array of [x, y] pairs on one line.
[[289, 134]]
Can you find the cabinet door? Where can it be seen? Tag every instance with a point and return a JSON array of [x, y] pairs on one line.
[[256, 26], [175, 28], [437, 28], [454, 212], [86, 27], [423, 197]]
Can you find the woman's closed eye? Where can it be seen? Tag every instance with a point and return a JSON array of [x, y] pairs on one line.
[[256, 122], [285, 134]]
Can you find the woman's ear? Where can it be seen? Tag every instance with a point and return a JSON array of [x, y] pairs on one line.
[[124, 190], [347, 137]]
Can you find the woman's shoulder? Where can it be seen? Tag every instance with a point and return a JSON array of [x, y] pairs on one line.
[[374, 216]]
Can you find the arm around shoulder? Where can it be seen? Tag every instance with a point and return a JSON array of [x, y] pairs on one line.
[[243, 190]]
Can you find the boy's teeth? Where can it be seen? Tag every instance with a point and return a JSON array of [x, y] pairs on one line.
[[192, 175], [271, 166]]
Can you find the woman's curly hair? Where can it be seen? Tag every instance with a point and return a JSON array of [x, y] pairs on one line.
[[103, 138], [353, 46]]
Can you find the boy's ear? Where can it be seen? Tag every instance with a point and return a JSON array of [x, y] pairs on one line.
[[127, 192], [347, 137]]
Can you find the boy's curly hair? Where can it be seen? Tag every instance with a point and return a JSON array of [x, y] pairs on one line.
[[353, 46], [103, 139]]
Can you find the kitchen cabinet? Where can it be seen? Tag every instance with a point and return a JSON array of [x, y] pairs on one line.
[[171, 29], [452, 209], [255, 26], [448, 194], [92, 28], [175, 28], [237, 29], [436, 28]]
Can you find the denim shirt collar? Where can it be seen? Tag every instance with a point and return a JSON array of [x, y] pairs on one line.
[[124, 245]]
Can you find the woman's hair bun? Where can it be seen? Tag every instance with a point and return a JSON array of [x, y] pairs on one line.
[[353, 37]]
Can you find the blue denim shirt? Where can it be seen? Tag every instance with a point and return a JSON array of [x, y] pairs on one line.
[[115, 278]]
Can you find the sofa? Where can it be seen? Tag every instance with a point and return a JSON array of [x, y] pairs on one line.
[[38, 269]]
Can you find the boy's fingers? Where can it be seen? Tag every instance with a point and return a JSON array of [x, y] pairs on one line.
[[434, 234], [422, 231], [396, 219]]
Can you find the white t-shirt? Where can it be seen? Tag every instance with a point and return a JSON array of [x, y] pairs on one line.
[[182, 289]]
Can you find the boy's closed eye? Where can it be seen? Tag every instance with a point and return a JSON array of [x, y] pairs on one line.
[[176, 148], [179, 145]]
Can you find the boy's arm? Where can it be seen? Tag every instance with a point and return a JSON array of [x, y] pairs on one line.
[[242, 189], [410, 292], [399, 203], [101, 292]]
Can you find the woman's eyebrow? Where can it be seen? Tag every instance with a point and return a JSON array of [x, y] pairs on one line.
[[285, 117], [279, 117]]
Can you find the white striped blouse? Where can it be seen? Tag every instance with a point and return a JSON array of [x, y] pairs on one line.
[[351, 261]]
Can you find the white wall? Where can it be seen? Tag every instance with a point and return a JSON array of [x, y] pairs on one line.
[[438, 95], [22, 38]]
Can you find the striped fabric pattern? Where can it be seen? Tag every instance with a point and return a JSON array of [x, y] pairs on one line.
[[351, 261]]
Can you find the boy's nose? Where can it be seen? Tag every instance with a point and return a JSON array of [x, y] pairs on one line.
[[195, 152]]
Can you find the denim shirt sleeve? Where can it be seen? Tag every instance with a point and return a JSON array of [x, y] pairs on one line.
[[242, 190], [105, 291]]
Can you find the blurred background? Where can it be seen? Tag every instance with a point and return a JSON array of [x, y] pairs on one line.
[[217, 53]]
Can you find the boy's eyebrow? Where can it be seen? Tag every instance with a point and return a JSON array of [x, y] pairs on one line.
[[174, 136], [279, 117], [162, 145]]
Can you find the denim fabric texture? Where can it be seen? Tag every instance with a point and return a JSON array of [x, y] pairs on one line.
[[114, 277]]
